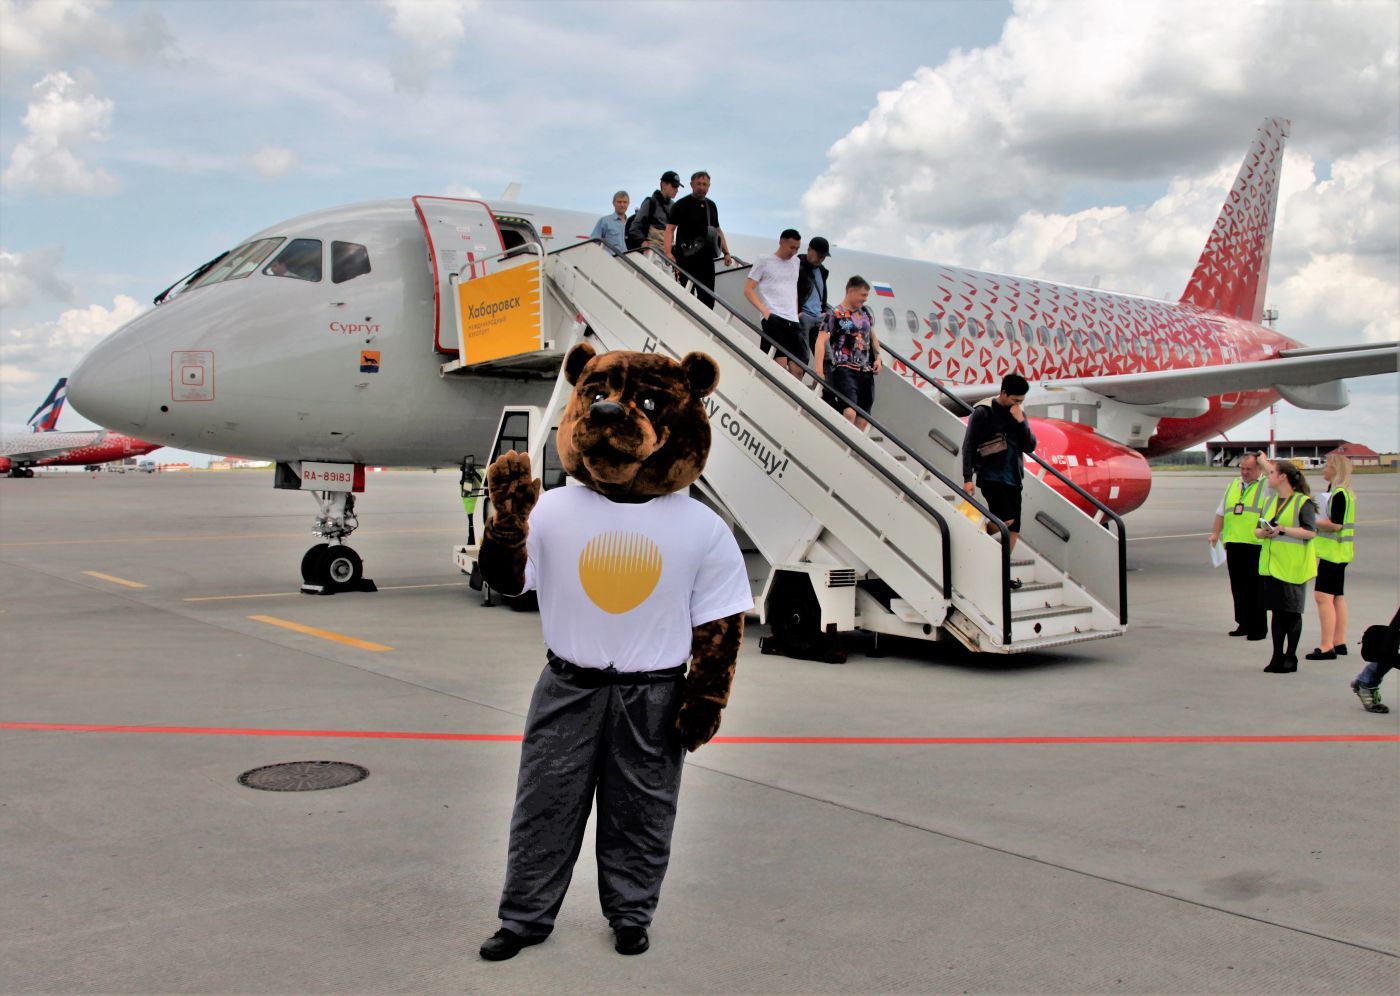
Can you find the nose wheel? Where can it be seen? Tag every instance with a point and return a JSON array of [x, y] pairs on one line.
[[332, 567]]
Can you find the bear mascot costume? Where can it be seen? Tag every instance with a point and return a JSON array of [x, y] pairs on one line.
[[634, 580]]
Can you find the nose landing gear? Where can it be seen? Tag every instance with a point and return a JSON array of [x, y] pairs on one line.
[[332, 567]]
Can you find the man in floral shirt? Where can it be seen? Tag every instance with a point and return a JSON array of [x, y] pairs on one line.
[[848, 354]]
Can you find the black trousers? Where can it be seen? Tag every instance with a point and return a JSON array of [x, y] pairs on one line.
[[703, 269], [1247, 587], [582, 739]]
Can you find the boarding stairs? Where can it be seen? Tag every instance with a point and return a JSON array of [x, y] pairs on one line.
[[856, 529]]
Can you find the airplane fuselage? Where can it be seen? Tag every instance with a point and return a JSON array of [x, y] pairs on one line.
[[280, 375]]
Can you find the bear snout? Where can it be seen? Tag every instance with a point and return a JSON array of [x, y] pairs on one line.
[[606, 412]]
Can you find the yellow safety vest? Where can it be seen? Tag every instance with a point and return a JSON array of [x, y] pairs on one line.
[[1287, 557], [1249, 500], [1339, 548]]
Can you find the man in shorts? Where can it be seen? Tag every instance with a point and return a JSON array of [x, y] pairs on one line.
[[772, 289], [998, 436], [848, 354]]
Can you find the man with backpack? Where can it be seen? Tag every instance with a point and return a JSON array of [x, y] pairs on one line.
[[998, 436], [648, 225], [1380, 648], [811, 290]]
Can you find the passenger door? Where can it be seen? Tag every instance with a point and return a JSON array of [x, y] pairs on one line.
[[463, 241]]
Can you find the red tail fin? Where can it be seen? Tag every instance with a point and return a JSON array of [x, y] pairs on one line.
[[1233, 270]]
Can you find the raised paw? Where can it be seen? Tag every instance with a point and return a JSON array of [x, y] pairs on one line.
[[513, 492]]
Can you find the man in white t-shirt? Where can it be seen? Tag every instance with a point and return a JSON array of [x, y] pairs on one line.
[[634, 579], [772, 289]]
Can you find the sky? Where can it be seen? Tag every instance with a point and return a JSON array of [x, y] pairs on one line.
[[1080, 141]]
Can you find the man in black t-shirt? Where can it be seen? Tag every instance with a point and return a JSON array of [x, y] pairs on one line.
[[693, 236]]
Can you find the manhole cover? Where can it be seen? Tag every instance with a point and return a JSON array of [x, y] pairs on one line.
[[303, 776]]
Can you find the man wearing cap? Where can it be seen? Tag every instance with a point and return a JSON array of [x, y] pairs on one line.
[[648, 225], [812, 277]]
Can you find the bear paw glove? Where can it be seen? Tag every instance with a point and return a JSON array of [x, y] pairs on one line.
[[513, 491], [697, 723]]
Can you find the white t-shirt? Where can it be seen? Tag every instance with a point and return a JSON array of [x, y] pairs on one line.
[[622, 585], [777, 284]]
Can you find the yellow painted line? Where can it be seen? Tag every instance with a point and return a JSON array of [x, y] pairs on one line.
[[115, 580], [204, 538], [286, 594], [324, 634]]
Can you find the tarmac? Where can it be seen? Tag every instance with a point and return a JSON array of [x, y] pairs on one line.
[[1145, 814]]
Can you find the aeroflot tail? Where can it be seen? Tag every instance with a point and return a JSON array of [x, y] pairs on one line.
[[1233, 270], [45, 417]]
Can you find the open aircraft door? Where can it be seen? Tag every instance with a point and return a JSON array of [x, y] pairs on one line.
[[463, 241]]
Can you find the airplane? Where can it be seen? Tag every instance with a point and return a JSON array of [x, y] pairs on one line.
[[320, 341], [46, 447]]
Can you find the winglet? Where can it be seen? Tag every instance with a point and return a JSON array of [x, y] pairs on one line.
[[45, 417], [1233, 270]]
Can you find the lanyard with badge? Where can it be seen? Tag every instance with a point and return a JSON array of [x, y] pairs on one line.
[[1239, 505]]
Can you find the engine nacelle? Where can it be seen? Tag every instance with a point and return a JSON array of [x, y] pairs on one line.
[[1114, 474]]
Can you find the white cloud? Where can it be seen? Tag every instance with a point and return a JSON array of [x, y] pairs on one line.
[[31, 276], [431, 31], [34, 356], [272, 162], [62, 116], [43, 34], [461, 190]]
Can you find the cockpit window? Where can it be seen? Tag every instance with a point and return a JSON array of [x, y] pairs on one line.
[[301, 259], [239, 263], [348, 261]]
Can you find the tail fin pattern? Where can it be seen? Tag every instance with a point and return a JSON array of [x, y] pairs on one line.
[[45, 417], [1233, 270]]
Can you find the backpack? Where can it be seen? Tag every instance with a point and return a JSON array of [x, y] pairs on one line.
[[639, 225], [1381, 644]]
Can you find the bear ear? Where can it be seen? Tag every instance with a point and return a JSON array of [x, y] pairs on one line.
[[576, 360], [702, 372]]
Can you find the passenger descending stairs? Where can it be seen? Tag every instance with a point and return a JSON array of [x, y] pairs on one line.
[[870, 518]]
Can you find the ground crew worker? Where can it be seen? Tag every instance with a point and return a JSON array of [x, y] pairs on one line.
[[1286, 560], [470, 485], [1235, 522], [1335, 546]]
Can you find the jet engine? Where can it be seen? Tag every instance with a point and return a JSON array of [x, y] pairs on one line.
[[1111, 472]]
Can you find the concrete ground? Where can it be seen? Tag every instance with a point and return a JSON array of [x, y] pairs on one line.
[[134, 862]]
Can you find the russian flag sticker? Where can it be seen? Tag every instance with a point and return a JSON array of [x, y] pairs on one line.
[[882, 290]]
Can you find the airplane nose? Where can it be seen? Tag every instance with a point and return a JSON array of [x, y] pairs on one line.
[[112, 384]]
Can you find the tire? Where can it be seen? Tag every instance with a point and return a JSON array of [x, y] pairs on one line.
[[342, 568], [312, 571], [795, 618]]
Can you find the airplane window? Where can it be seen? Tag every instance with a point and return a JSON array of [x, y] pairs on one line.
[[912, 320], [1026, 332], [1042, 335], [239, 263], [975, 328], [889, 319], [1078, 338], [954, 325], [933, 321], [1060, 341], [1098, 340], [348, 261], [301, 259]]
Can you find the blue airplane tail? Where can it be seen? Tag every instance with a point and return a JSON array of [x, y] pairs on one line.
[[45, 417]]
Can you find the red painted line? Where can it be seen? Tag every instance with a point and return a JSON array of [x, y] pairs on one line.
[[229, 731]]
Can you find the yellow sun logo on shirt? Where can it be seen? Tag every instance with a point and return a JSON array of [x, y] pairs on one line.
[[619, 571]]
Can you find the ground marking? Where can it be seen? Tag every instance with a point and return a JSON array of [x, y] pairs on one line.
[[1140, 539], [222, 731], [324, 634], [115, 580], [284, 594]]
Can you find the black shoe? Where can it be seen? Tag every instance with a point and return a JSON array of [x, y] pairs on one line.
[[1238, 631], [1290, 663], [1279, 665], [1016, 585], [1340, 650], [1258, 636], [1319, 654], [505, 944], [631, 940]]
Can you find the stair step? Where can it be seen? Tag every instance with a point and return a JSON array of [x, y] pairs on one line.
[[1048, 612], [1033, 586]]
